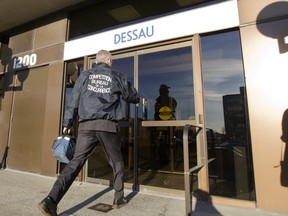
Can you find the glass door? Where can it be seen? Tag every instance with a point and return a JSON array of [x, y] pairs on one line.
[[164, 79], [175, 82], [166, 85]]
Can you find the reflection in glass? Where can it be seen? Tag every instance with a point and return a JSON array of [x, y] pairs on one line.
[[174, 69], [165, 105], [230, 174], [126, 66]]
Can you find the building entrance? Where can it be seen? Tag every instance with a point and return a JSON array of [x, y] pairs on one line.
[[175, 82], [164, 78]]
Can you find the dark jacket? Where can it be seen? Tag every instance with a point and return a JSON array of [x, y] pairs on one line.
[[96, 95]]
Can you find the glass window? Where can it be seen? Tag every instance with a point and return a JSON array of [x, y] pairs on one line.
[[126, 66], [73, 69], [226, 117]]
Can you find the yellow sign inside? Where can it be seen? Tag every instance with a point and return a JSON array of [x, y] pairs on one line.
[[165, 113]]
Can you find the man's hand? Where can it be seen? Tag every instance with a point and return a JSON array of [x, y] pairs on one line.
[[66, 130]]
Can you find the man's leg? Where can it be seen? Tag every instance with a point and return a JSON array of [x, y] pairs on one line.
[[112, 148], [85, 145], [86, 142]]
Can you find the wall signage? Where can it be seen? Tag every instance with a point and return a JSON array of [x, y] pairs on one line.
[[25, 61], [135, 34]]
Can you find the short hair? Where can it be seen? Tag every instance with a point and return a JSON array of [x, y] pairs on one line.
[[103, 56]]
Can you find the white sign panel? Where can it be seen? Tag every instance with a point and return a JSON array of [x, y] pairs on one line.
[[200, 20]]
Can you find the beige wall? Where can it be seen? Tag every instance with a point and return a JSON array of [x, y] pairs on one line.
[[37, 100], [266, 68], [5, 110], [52, 117]]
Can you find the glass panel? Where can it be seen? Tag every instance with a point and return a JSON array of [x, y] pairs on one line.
[[98, 166], [126, 66], [166, 85], [230, 174], [167, 72], [73, 69]]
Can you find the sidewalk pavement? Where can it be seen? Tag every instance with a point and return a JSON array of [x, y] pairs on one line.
[[20, 192]]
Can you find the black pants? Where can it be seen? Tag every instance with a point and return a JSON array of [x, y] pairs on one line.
[[86, 143]]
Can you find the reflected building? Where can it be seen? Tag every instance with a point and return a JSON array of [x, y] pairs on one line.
[[232, 151], [235, 119]]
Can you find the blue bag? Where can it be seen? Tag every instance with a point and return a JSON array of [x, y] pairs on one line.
[[63, 148]]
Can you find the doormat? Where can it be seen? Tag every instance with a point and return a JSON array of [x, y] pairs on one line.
[[102, 207]]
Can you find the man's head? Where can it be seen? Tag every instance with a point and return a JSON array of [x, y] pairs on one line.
[[104, 56], [163, 89]]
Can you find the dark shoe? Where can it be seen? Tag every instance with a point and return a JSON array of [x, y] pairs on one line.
[[48, 207], [118, 203]]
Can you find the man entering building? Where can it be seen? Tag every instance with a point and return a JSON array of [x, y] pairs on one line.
[[96, 99]]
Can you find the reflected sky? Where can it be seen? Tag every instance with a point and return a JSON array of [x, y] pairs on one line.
[[222, 74], [173, 68]]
